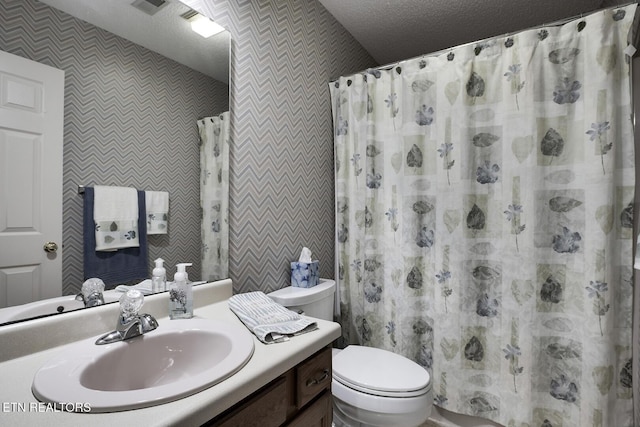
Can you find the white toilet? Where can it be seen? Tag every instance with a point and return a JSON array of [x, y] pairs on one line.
[[370, 387]]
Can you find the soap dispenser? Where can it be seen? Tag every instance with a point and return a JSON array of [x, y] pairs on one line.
[[181, 294], [159, 277]]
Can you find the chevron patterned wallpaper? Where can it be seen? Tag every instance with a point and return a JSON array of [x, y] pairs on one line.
[[130, 120], [284, 53]]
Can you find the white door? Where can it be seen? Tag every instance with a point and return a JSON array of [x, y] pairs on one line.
[[31, 126]]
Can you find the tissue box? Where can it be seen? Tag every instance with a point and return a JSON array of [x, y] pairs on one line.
[[304, 274]]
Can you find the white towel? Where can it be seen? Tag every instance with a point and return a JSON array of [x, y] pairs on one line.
[[157, 211], [268, 320], [146, 286], [115, 212]]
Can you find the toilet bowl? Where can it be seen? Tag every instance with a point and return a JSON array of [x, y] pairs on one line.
[[374, 387], [370, 386]]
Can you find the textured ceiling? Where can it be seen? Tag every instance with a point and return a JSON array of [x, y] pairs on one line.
[[393, 30]]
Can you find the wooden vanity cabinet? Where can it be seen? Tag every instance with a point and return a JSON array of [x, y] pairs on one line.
[[301, 397]]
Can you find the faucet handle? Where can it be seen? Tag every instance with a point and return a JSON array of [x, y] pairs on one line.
[[130, 303], [92, 285], [91, 293]]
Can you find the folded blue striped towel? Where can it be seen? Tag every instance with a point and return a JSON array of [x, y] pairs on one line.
[[268, 320]]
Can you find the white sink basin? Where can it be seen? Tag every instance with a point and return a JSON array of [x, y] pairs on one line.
[[179, 358]]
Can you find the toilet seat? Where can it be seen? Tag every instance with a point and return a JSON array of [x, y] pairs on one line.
[[380, 373]]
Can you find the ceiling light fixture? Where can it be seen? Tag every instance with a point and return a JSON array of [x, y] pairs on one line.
[[205, 26]]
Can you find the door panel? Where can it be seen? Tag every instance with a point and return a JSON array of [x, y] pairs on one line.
[[31, 126]]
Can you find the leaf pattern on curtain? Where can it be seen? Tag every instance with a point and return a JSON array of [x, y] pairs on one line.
[[214, 195], [484, 206]]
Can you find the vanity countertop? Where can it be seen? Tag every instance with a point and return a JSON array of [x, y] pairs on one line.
[[19, 407]]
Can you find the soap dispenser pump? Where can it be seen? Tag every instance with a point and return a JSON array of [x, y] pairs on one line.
[[159, 277], [181, 294]]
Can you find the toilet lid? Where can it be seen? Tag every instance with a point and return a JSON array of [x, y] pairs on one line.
[[380, 372]]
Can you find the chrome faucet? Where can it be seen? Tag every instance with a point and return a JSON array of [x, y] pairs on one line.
[[91, 293], [130, 323]]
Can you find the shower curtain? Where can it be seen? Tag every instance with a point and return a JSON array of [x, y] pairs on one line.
[[214, 195], [484, 217]]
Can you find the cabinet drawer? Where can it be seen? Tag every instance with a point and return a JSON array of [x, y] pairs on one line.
[[313, 376], [265, 408], [318, 414]]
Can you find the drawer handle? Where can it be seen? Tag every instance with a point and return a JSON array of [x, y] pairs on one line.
[[314, 381]]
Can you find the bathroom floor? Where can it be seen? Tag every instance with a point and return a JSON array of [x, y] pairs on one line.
[[443, 418], [435, 423]]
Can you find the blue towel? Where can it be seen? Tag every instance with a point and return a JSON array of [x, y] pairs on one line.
[[123, 265]]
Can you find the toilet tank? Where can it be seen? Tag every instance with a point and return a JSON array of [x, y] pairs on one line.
[[315, 302]]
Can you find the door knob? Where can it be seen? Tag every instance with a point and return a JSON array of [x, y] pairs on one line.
[[50, 247]]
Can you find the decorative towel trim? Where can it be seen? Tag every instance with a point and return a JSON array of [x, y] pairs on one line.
[[157, 222], [157, 212], [268, 320], [112, 235]]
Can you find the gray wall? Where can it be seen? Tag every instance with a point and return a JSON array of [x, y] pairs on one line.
[[284, 52], [130, 120]]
